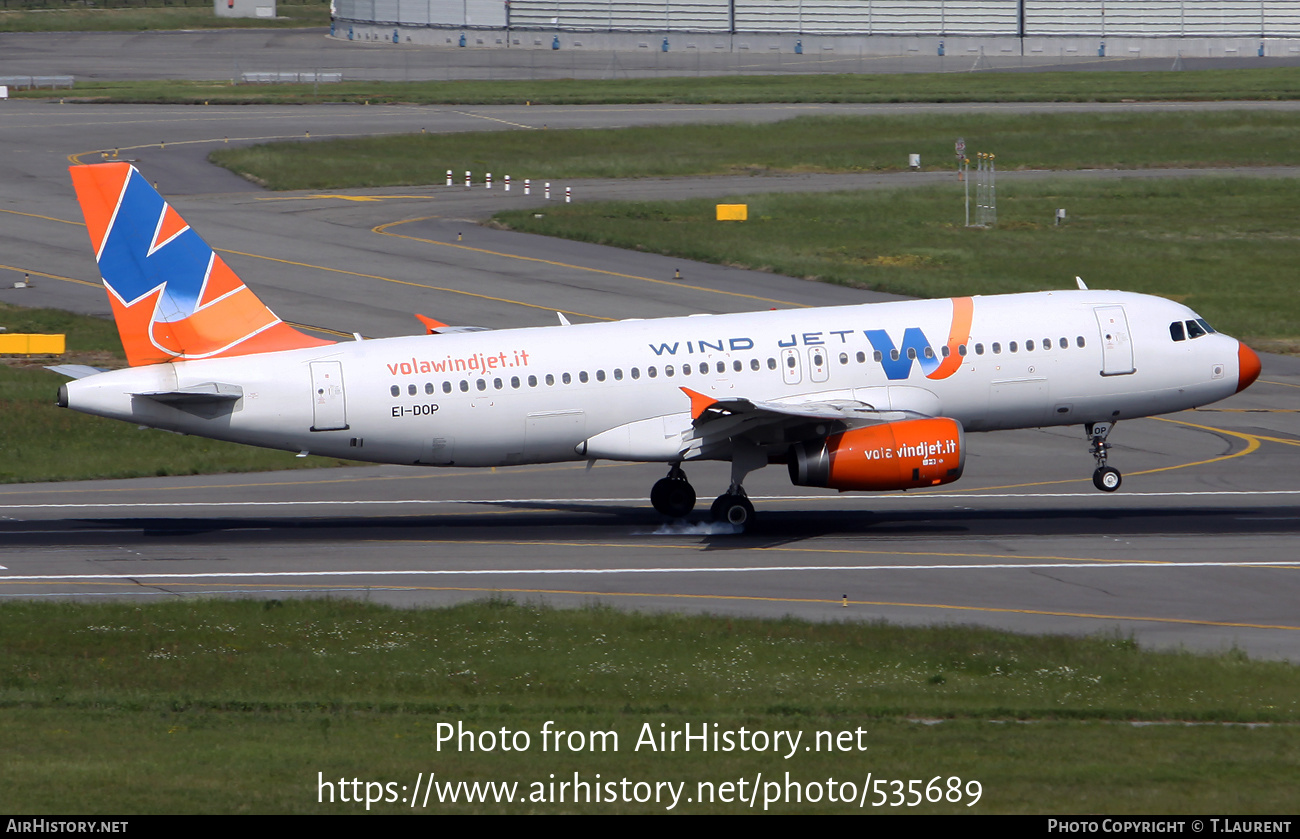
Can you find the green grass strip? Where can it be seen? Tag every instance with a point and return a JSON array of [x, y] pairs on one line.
[[804, 144], [1100, 86], [222, 706], [1224, 246], [136, 18]]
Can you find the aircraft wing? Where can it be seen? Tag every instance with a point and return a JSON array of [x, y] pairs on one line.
[[710, 427], [715, 422]]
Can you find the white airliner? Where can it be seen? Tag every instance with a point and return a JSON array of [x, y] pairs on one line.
[[850, 397]]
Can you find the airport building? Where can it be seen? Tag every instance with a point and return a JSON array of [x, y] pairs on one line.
[[1037, 28]]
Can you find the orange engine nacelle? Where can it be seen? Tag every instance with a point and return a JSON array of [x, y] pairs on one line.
[[892, 455]]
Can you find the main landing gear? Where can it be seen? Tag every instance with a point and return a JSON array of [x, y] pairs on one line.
[[733, 507], [673, 496], [1106, 478]]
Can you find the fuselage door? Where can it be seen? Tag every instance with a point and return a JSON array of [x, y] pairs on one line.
[[790, 371], [329, 406], [1116, 346]]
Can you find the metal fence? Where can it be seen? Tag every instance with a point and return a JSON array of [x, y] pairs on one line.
[[18, 82], [992, 18]]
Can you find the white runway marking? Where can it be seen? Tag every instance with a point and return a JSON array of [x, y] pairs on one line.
[[966, 496], [705, 569]]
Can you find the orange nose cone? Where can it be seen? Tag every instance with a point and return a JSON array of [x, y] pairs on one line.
[[1247, 367]]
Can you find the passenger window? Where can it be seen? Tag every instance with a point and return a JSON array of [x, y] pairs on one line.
[[583, 377], [961, 350], [618, 374], [944, 351], [1011, 347], [722, 367], [979, 349], [753, 364], [498, 384], [600, 375], [704, 368], [532, 381], [514, 382], [997, 348], [911, 352], [1029, 345], [1176, 331], [862, 358], [771, 364], [428, 387], [396, 391], [686, 369], [446, 387], [929, 353], [790, 362], [1065, 345], [893, 356], [1080, 341], [876, 356], [668, 371], [652, 372], [464, 386], [1047, 343], [737, 366], [566, 378], [636, 373], [481, 384], [844, 358]]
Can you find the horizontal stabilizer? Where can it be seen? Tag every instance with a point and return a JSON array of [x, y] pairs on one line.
[[196, 394], [76, 371], [436, 327]]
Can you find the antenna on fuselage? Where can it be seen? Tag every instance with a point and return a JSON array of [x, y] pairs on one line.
[[563, 320], [1082, 285]]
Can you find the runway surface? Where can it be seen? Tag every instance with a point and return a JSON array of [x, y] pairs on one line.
[[1198, 549]]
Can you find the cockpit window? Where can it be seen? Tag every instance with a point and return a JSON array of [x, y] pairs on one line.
[[1176, 331], [1209, 329], [1194, 329]]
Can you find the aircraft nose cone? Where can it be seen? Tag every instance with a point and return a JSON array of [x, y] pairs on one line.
[[1247, 366]]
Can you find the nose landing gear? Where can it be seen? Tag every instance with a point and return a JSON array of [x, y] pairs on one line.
[[1106, 478]]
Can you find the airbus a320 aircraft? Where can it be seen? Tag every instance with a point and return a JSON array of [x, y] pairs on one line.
[[850, 398]]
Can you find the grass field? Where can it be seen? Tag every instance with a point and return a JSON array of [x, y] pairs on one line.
[[235, 706], [25, 17], [804, 144], [1099, 86], [1224, 246], [40, 441]]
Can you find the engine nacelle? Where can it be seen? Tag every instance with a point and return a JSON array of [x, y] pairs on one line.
[[892, 455]]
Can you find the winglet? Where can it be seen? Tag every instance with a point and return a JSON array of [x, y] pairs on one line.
[[429, 323], [699, 402]]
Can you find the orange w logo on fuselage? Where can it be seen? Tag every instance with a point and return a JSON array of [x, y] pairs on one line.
[[897, 361]]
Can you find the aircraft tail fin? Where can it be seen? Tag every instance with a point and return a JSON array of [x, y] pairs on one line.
[[173, 297]]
